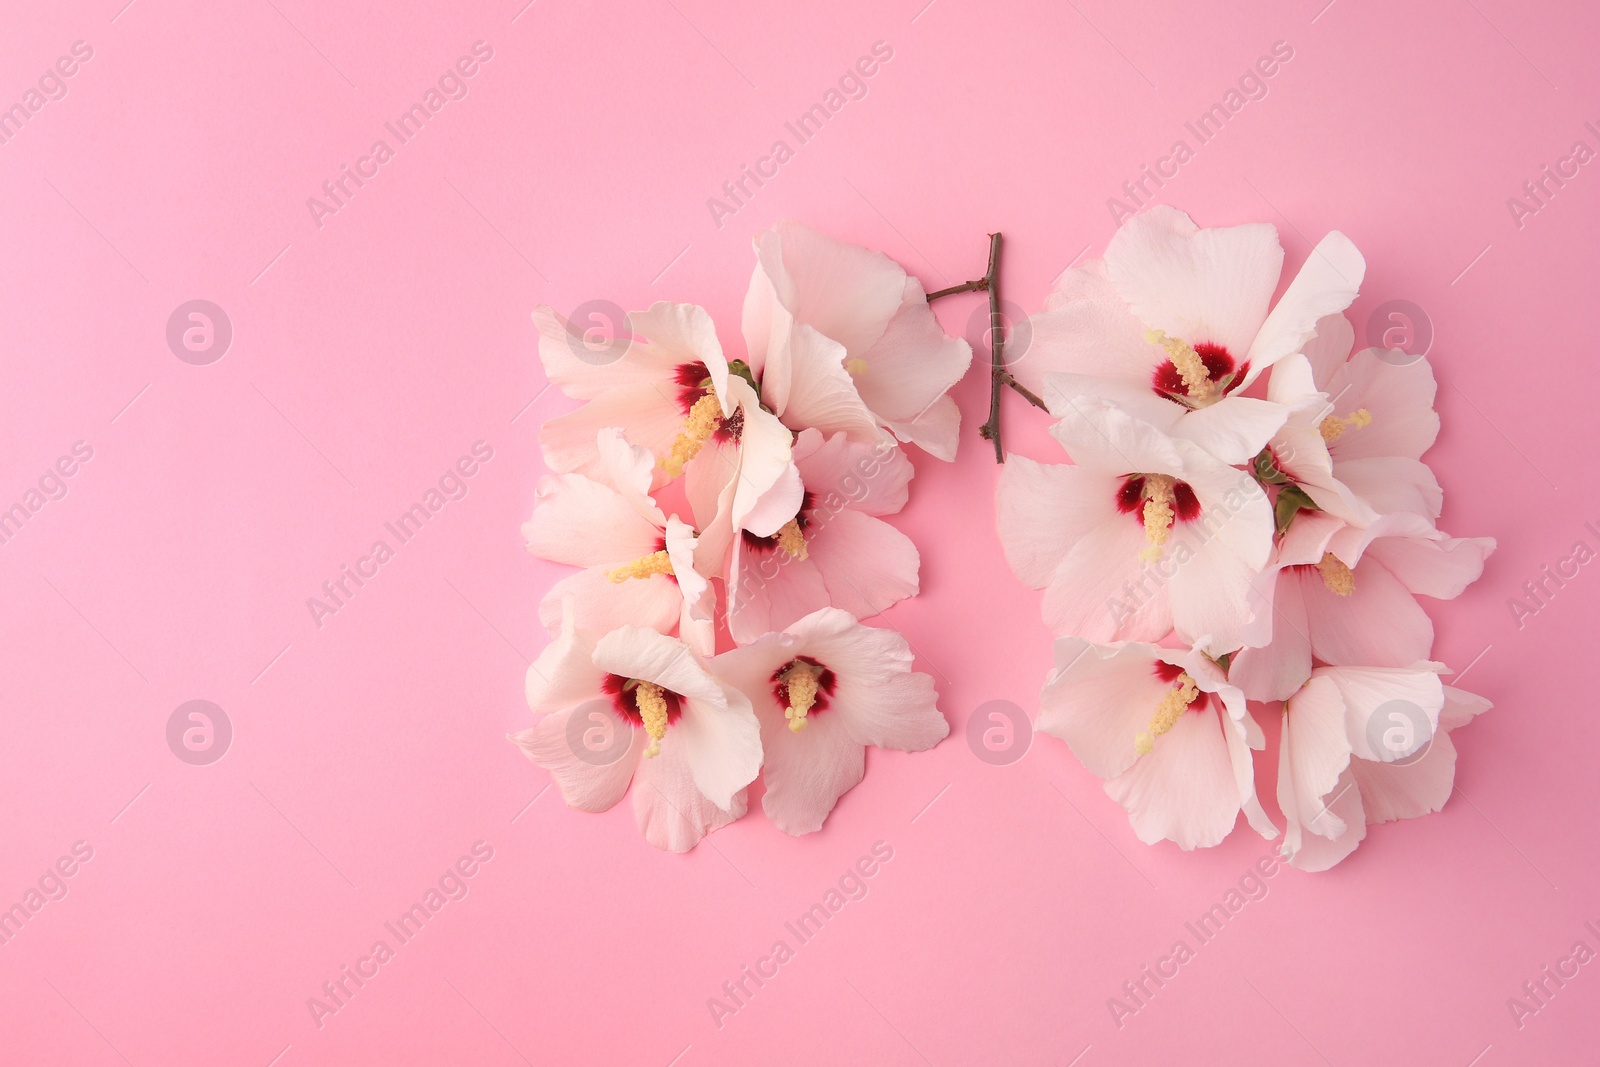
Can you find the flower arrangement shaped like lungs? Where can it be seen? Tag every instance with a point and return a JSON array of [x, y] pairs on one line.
[[727, 519], [1246, 520]]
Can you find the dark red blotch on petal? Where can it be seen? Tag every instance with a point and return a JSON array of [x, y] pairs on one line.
[[1130, 499], [1185, 503], [1219, 364], [1168, 672], [1130, 496], [694, 382], [625, 699], [825, 684]]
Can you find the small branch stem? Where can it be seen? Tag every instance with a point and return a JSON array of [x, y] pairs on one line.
[[997, 345], [977, 285], [998, 375], [1005, 377]]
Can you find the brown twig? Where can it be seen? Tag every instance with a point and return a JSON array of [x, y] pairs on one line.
[[997, 346], [990, 283], [977, 285], [1005, 377]]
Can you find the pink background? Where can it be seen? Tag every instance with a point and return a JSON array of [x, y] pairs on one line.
[[369, 354]]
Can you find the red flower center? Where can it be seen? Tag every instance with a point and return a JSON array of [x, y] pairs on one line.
[[694, 382], [1167, 381], [1168, 672], [1130, 500], [624, 693], [825, 684]]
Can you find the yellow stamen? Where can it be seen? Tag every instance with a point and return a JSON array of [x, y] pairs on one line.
[[1337, 575], [801, 681], [792, 540], [1159, 497], [1333, 427], [1172, 706], [855, 366], [1196, 378], [652, 702], [698, 427], [643, 567]]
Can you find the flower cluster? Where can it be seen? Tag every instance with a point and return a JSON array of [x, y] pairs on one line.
[[1247, 518], [726, 515]]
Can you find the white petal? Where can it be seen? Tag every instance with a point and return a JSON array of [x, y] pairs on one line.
[[913, 364], [1102, 591], [631, 471], [1044, 509], [1107, 440], [634, 652], [1234, 429], [1201, 285], [1086, 281], [1411, 789], [867, 565], [1390, 713], [1234, 512], [1092, 336], [1312, 534], [1300, 452], [580, 522], [722, 742], [1379, 624], [1098, 699], [767, 490], [846, 292], [1294, 383], [764, 318], [1328, 350], [1185, 790], [1393, 483], [583, 371], [1064, 393], [806, 772], [861, 655], [1276, 669], [692, 585], [1326, 284], [564, 673], [672, 813], [935, 431], [649, 410], [900, 713], [1314, 788], [1205, 596], [870, 478], [770, 590], [588, 784], [1304, 543], [818, 391], [1437, 567], [709, 483], [686, 334], [1243, 733], [700, 634], [1316, 852], [1314, 752], [604, 605], [750, 667], [1460, 708], [1398, 396]]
